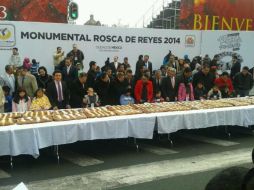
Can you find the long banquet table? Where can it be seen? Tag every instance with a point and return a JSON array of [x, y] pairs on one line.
[[170, 122], [29, 139]]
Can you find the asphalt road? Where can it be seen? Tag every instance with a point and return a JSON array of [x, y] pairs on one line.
[[195, 157]]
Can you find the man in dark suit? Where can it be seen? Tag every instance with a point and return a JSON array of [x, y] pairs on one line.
[[205, 76], [236, 67], [69, 72], [130, 79], [114, 65], [148, 64], [157, 82], [78, 91], [168, 86], [243, 82], [57, 92], [118, 87]]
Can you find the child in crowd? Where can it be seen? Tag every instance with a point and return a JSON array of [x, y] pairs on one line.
[[40, 101], [91, 99], [185, 91], [34, 68], [158, 98], [214, 93], [21, 102], [126, 98], [199, 92], [8, 99]]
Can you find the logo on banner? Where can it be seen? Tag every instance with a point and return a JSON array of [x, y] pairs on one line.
[[230, 41], [7, 35], [190, 41], [109, 48]]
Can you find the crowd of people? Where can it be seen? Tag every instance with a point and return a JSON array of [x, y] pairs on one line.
[[28, 86]]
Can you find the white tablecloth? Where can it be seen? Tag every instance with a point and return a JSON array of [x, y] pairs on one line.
[[196, 119], [16, 140]]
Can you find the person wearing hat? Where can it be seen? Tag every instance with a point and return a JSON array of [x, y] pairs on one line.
[[34, 68]]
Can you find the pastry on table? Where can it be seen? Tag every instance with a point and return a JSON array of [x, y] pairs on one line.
[[58, 117], [13, 115], [28, 114], [79, 116], [98, 112], [124, 110], [237, 101], [25, 120], [7, 122]]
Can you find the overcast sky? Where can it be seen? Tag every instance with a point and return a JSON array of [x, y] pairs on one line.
[[129, 12]]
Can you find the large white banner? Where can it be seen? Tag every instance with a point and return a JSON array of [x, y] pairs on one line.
[[39, 41]]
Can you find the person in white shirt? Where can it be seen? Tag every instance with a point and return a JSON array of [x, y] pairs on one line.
[[58, 57], [15, 59], [8, 79]]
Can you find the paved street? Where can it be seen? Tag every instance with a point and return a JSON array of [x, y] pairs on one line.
[[196, 156]]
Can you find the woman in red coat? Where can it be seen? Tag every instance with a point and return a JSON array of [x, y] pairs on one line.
[[144, 90], [225, 85]]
